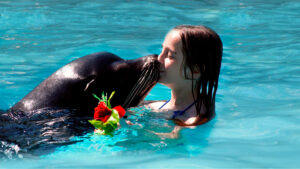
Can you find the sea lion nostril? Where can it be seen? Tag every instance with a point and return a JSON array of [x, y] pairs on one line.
[[155, 57], [150, 59]]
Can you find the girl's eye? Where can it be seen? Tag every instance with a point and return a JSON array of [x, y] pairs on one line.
[[170, 55], [164, 51]]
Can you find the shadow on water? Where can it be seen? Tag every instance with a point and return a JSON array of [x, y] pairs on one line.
[[39, 132]]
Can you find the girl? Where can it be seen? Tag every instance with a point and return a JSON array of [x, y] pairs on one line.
[[190, 66]]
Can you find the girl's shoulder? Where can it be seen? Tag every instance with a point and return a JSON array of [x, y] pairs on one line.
[[153, 104]]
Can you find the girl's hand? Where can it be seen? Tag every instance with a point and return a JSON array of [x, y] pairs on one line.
[[129, 122], [172, 135]]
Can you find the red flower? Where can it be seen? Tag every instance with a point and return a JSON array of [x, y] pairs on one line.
[[120, 110], [102, 112]]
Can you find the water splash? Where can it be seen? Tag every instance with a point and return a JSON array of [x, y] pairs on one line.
[[39, 131]]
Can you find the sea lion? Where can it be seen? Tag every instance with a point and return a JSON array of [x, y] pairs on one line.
[[73, 85], [59, 108]]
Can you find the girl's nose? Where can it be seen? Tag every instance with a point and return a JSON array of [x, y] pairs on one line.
[[161, 58]]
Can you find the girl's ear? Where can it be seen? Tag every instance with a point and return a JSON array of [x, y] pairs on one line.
[[196, 72]]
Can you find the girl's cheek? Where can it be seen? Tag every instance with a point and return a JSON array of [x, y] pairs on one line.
[[167, 63]]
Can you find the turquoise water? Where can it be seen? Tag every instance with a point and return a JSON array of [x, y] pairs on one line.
[[258, 99]]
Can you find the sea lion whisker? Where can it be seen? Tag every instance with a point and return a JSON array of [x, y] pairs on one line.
[[135, 89], [141, 83]]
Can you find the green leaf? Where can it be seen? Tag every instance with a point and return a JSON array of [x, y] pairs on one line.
[[103, 97], [97, 124], [110, 127], [111, 95], [108, 101], [102, 94], [96, 97], [115, 115]]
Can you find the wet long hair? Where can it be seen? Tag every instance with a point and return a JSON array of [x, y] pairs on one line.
[[202, 49]]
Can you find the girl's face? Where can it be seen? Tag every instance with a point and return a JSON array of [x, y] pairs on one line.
[[171, 58]]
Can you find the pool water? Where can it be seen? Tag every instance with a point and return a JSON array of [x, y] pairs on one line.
[[258, 99]]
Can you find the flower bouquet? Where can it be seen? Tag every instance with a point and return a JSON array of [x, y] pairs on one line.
[[106, 119]]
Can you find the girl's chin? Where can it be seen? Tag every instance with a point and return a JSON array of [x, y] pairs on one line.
[[161, 80]]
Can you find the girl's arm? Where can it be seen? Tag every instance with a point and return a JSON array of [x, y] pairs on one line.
[[191, 123], [173, 134]]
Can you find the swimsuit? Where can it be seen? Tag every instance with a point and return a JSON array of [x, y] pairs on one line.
[[179, 112]]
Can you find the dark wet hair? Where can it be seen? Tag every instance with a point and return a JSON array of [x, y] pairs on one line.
[[202, 49]]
